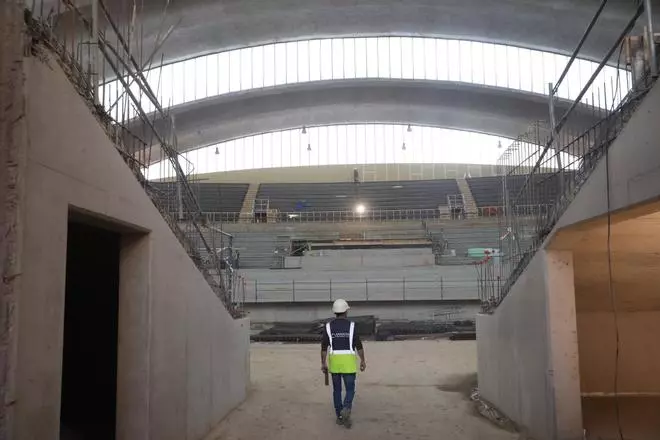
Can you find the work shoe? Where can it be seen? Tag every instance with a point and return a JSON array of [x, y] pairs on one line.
[[340, 421], [346, 417]]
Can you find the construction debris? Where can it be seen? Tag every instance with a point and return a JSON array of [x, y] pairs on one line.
[[367, 327], [488, 411]]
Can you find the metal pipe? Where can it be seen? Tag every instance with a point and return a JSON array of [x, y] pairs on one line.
[[220, 231], [651, 37], [580, 44]]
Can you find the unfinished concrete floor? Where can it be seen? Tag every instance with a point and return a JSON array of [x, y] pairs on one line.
[[411, 390]]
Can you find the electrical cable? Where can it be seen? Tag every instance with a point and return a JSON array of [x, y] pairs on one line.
[[612, 292]]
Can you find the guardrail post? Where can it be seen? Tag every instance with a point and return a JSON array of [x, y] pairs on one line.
[[404, 288], [256, 291], [293, 291], [366, 289], [442, 293]]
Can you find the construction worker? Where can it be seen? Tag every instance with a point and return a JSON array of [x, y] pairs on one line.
[[338, 356]]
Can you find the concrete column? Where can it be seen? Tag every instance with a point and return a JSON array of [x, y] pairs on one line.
[[13, 144], [564, 364]]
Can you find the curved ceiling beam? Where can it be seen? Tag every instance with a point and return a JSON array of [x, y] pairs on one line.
[[462, 106], [205, 26]]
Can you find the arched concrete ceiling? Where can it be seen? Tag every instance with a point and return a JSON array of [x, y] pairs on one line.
[[212, 25], [463, 106]]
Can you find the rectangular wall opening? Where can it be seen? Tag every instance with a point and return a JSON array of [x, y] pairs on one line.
[[89, 369], [618, 316]]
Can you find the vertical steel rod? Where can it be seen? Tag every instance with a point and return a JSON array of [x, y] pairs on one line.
[[651, 38], [95, 51]]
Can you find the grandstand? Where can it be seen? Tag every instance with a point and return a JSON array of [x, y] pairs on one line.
[[212, 197], [386, 200], [489, 191], [397, 195]]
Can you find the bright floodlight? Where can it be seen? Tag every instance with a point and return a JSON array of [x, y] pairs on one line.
[[360, 209]]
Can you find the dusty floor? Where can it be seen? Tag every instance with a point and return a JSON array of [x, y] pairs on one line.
[[400, 396]]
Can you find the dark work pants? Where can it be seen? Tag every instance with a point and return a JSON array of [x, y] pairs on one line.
[[349, 382]]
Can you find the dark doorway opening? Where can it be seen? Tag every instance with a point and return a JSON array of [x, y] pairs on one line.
[[89, 370]]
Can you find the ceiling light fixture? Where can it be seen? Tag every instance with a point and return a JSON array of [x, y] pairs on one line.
[[403, 147], [409, 128], [304, 130], [309, 147], [499, 144], [217, 151]]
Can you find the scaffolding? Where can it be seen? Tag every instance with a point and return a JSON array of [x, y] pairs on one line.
[[456, 204]]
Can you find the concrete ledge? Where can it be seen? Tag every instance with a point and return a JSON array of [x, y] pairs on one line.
[[361, 303], [422, 310]]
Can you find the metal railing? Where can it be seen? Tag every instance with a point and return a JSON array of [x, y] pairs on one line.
[[397, 289], [379, 215]]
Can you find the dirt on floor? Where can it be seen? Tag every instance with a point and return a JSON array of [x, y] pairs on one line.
[[411, 390]]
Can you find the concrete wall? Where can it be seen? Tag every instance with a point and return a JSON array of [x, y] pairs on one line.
[[513, 353], [639, 357], [183, 361], [410, 283], [366, 228], [528, 351], [365, 259], [384, 310], [363, 274], [13, 145]]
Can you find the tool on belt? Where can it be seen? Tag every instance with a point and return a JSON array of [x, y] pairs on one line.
[[327, 380]]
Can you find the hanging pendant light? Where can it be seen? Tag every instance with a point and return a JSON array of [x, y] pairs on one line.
[[309, 147], [403, 147], [499, 144], [304, 130], [409, 128], [217, 151]]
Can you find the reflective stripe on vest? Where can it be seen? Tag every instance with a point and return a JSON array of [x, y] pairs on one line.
[[342, 361]]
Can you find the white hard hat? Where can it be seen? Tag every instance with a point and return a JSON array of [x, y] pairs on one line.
[[340, 306]]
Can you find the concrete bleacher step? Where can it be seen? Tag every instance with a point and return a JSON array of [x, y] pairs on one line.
[[343, 196], [468, 199], [257, 250], [458, 237], [247, 209]]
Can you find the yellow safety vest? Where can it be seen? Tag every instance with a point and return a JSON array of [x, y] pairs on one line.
[[342, 361]]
